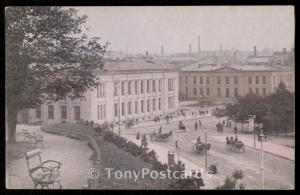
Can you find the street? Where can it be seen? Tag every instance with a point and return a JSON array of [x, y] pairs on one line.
[[279, 172]]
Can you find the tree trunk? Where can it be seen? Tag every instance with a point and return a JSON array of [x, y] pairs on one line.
[[11, 122]]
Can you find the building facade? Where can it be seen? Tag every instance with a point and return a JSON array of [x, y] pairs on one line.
[[127, 90], [224, 83]]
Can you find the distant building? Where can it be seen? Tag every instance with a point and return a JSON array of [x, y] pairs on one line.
[[223, 83], [283, 58], [136, 89], [258, 60]]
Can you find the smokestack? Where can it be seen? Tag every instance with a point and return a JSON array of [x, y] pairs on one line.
[[162, 50], [254, 54], [190, 49], [198, 44]]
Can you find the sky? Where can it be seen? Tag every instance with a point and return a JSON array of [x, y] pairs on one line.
[[232, 27]]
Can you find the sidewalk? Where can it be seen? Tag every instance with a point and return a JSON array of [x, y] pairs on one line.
[[73, 154], [211, 181], [268, 147]]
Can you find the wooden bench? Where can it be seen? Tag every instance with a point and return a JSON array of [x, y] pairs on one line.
[[32, 137], [42, 173]]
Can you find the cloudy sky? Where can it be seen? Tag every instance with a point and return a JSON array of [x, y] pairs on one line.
[[147, 28]]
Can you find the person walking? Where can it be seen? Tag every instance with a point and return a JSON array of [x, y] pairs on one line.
[[196, 126], [235, 130], [200, 124]]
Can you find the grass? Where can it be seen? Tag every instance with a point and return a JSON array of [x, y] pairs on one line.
[[113, 157]]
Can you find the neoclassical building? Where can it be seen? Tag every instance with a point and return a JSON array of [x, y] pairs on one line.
[[131, 89], [223, 83]]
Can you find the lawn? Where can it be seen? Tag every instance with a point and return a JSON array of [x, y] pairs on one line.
[[113, 157]]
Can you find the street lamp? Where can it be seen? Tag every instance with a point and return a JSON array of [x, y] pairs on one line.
[[262, 160], [251, 127]]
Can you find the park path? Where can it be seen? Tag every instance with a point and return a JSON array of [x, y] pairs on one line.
[[210, 181], [73, 154]]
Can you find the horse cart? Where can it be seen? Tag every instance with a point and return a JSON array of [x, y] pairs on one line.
[[181, 126], [200, 147], [235, 146], [160, 136]]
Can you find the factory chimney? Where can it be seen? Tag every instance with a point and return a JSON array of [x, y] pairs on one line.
[[190, 49], [254, 54], [198, 44], [162, 50]]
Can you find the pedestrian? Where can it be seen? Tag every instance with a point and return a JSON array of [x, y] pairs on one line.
[[160, 130], [230, 124], [235, 130], [138, 135], [192, 113], [196, 126], [223, 123], [176, 144], [206, 111], [200, 123]]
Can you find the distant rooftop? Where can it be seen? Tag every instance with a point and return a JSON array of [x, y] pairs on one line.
[[259, 59]]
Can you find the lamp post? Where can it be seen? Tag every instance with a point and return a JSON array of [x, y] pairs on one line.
[[251, 126], [262, 160]]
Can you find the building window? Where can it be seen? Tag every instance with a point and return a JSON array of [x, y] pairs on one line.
[[218, 80], [207, 91], [264, 79], [142, 106], [257, 80], [50, 112], [195, 80], [103, 89], [186, 91], [227, 80], [136, 87], [250, 90], [154, 104], [103, 110], [123, 88], [142, 86], [249, 80], [195, 91], [148, 86], [148, 105], [218, 92], [159, 103], [115, 88], [154, 86], [38, 112], [171, 103], [136, 107], [236, 92], [235, 80], [98, 111], [264, 91], [116, 110], [207, 80], [159, 85], [129, 108], [77, 113], [98, 90], [201, 80], [227, 92], [123, 108], [186, 79], [63, 111], [129, 87], [170, 84], [201, 91], [256, 91]]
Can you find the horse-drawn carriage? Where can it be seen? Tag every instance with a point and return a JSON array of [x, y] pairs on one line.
[[220, 127], [234, 145], [200, 147], [160, 136]]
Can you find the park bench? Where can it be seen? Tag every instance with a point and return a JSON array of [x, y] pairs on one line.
[[42, 173], [33, 138]]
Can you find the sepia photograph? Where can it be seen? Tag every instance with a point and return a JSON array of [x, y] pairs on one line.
[[150, 97]]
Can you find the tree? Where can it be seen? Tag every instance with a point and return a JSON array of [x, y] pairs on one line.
[[48, 57]]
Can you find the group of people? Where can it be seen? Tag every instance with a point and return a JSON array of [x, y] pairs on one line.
[[231, 140], [201, 112]]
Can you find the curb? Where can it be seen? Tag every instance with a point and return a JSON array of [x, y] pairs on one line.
[[272, 154]]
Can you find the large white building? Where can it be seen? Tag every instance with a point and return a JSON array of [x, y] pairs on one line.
[[131, 89]]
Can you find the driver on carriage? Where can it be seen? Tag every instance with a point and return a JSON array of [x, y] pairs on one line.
[[199, 140]]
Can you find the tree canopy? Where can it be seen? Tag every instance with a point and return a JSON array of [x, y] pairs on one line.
[[48, 56]]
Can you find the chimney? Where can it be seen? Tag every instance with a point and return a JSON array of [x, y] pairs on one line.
[[190, 49], [284, 50], [254, 54], [198, 44], [162, 50]]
